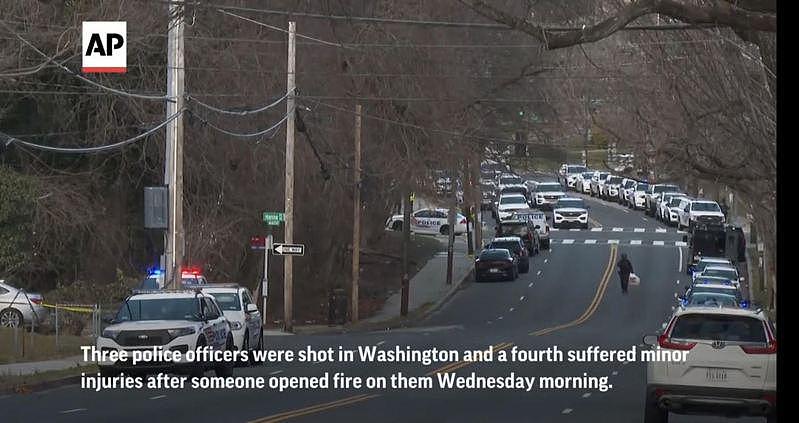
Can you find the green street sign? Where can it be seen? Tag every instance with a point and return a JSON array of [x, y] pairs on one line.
[[274, 218]]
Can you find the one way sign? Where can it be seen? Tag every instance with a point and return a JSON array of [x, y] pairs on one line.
[[288, 249]]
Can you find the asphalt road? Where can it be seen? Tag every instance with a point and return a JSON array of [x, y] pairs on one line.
[[570, 298]]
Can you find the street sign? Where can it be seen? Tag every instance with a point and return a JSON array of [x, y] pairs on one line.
[[274, 218], [288, 249], [258, 243]]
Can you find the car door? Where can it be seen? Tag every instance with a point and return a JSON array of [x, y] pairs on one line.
[[421, 220], [252, 320], [217, 322]]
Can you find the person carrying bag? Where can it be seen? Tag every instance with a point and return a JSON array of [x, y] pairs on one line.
[[625, 269]]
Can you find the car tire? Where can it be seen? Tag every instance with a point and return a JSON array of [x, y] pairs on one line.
[[396, 226], [653, 413], [11, 318], [225, 369], [477, 278], [444, 230], [585, 226]]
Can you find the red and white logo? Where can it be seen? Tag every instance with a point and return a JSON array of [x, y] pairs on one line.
[[105, 47]]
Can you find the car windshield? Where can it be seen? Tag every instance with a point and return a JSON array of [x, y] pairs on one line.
[[641, 187], [150, 283], [714, 280], [549, 187], [675, 201], [575, 203], [513, 200], [711, 299], [665, 188], [614, 179], [519, 229], [721, 273], [603, 175], [629, 184], [495, 254], [705, 263], [576, 169], [719, 327], [696, 290], [228, 301], [507, 245], [159, 309], [588, 175], [510, 180], [705, 206]]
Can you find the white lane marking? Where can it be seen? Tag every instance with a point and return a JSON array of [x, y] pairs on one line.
[[566, 411], [567, 241], [586, 395], [499, 318], [679, 263], [681, 244], [613, 241], [574, 230], [546, 260], [522, 298], [158, 397], [625, 210], [618, 229], [511, 309], [554, 229], [531, 285], [658, 243], [661, 230], [538, 273], [639, 230], [644, 219], [596, 229], [614, 373], [635, 242], [276, 372], [590, 241], [678, 281], [74, 410], [381, 342], [681, 232]]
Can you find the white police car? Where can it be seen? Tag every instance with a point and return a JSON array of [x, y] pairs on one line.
[[179, 320], [570, 211], [241, 311], [429, 221]]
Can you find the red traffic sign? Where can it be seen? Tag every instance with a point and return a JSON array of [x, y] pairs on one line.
[[258, 243]]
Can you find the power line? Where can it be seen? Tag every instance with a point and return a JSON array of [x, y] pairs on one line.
[[240, 134], [419, 22], [238, 112], [280, 29], [447, 100], [80, 150]]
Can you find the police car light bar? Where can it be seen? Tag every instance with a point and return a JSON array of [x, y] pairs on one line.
[[194, 271]]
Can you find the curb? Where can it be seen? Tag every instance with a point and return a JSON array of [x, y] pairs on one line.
[[40, 386]]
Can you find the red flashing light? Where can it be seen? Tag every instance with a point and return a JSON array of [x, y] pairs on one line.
[[191, 271]]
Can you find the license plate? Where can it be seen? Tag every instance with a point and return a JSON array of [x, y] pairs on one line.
[[716, 375], [494, 270]]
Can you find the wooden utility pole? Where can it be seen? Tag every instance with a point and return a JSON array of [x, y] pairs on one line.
[[453, 204], [173, 170], [356, 217], [407, 206], [288, 281]]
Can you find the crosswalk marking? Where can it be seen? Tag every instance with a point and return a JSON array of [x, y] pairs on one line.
[[658, 243], [639, 230], [635, 242], [567, 241], [590, 241], [613, 241], [618, 229], [681, 244], [596, 229], [574, 229], [661, 230]]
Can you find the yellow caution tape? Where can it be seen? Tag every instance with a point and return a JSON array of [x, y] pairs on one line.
[[70, 308]]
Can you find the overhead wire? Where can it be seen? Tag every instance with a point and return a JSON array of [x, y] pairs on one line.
[[274, 128], [237, 112], [8, 140], [275, 28]]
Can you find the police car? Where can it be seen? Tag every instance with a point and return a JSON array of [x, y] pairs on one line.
[[189, 276], [729, 366], [539, 221], [173, 320], [429, 221], [241, 311]]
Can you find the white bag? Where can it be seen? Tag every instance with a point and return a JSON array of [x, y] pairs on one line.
[[634, 279]]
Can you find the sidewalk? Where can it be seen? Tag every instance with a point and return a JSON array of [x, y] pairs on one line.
[[428, 287], [17, 369]]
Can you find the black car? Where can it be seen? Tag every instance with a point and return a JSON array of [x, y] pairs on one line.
[[516, 247], [525, 230], [496, 264]]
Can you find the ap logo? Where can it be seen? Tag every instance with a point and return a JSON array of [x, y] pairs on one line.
[[104, 47]]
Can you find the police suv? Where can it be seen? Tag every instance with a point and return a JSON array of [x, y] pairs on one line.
[[241, 311], [429, 221], [167, 320]]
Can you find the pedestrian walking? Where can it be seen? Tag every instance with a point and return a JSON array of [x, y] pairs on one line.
[[625, 268]]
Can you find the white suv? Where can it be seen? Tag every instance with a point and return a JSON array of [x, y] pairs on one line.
[[700, 211], [241, 311], [167, 320], [730, 368]]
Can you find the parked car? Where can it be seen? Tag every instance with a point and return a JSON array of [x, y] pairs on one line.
[[239, 308], [540, 224], [429, 221], [547, 194], [701, 212], [525, 230], [516, 246], [570, 211], [19, 308]]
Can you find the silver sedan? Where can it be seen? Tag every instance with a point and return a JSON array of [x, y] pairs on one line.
[[18, 308]]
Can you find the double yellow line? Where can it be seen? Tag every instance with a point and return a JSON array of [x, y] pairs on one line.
[[600, 292], [451, 367], [314, 409]]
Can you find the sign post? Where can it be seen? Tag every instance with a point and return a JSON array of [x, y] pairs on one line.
[[265, 281]]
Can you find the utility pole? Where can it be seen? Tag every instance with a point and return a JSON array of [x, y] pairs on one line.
[[478, 196], [407, 205], [173, 169], [265, 281], [453, 204], [356, 220], [288, 281]]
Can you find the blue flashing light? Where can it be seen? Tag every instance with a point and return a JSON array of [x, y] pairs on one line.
[[155, 272], [744, 304]]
